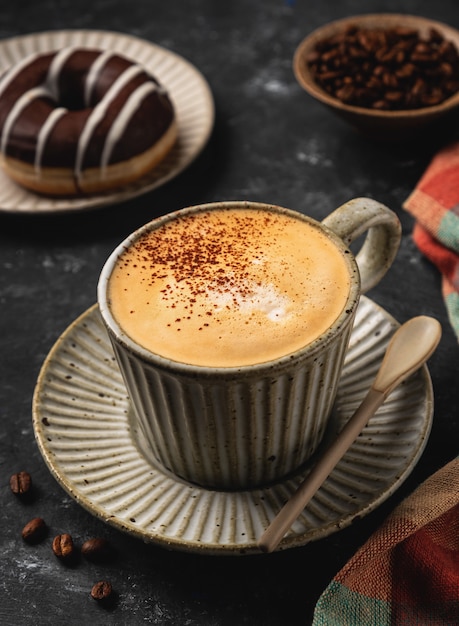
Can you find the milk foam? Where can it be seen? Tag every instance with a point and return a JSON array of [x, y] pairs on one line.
[[250, 297], [229, 288]]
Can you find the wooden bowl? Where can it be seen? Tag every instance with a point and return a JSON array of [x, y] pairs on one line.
[[386, 125]]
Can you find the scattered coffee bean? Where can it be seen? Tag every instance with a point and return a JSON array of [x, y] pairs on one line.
[[35, 530], [20, 483], [101, 591], [63, 546], [96, 549], [386, 69]]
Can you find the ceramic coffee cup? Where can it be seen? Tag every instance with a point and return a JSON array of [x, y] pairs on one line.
[[230, 323]]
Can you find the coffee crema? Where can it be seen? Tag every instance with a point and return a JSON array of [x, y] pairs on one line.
[[229, 287]]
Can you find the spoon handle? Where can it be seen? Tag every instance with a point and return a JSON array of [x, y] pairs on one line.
[[324, 466], [410, 346]]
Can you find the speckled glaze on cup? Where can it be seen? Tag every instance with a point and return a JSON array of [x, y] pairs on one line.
[[241, 427]]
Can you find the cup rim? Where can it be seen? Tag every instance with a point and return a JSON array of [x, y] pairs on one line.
[[307, 351]]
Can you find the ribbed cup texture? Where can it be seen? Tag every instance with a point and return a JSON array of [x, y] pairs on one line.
[[238, 430]]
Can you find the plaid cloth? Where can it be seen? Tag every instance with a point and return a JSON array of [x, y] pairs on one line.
[[407, 573], [435, 205]]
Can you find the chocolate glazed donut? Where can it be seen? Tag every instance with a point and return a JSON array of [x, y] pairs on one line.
[[80, 120]]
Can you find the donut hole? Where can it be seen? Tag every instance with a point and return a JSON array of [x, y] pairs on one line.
[[71, 102], [71, 90], [71, 98]]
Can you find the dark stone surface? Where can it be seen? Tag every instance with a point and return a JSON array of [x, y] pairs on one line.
[[271, 143]]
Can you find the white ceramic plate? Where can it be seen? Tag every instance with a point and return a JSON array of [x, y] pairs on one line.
[[187, 89], [81, 418]]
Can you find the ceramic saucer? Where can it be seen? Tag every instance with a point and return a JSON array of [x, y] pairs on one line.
[[82, 426], [187, 88]]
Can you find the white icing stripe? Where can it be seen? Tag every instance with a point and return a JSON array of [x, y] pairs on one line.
[[16, 111], [14, 71], [119, 125], [55, 69], [44, 133], [99, 112], [94, 73]]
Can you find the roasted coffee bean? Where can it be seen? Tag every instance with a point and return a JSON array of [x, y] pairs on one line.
[[21, 483], [386, 69], [96, 549], [102, 591], [63, 546], [35, 530]]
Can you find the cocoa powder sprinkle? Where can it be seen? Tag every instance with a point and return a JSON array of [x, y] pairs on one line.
[[213, 256]]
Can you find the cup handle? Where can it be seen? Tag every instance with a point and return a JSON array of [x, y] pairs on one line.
[[381, 243]]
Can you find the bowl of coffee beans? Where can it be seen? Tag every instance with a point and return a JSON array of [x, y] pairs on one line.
[[388, 75]]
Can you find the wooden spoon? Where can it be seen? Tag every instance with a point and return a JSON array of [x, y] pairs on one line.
[[411, 345]]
